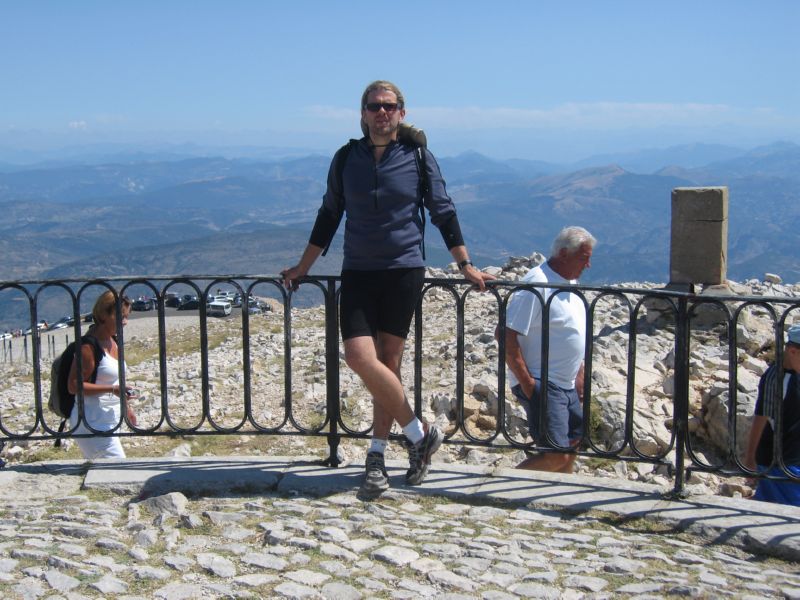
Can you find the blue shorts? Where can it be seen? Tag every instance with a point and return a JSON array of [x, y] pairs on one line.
[[782, 492], [564, 419]]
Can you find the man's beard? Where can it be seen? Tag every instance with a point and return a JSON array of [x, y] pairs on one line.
[[388, 129]]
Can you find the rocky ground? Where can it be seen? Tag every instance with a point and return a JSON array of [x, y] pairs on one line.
[[651, 380]]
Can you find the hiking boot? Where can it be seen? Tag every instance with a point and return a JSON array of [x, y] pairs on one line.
[[419, 454], [375, 479]]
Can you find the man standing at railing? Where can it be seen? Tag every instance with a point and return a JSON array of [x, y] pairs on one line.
[[563, 417], [775, 396], [381, 182]]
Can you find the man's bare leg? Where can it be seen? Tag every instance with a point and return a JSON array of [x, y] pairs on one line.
[[389, 351], [382, 383], [391, 404]]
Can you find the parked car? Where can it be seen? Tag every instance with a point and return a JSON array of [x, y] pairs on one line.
[[41, 325], [219, 309], [62, 323], [258, 306], [5, 336], [172, 300], [143, 304], [189, 305]]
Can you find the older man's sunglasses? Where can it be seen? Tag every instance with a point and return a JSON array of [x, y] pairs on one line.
[[376, 106]]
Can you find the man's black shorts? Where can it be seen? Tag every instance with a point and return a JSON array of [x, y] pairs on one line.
[[373, 301]]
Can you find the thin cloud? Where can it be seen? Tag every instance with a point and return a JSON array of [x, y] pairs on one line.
[[332, 112], [111, 119], [78, 125], [599, 115]]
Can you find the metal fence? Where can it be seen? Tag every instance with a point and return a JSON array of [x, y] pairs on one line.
[[686, 321]]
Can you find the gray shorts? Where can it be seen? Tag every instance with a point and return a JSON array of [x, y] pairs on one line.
[[564, 419]]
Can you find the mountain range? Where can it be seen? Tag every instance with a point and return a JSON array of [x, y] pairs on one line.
[[215, 215]]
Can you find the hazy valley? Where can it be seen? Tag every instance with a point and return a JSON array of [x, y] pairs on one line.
[[223, 216]]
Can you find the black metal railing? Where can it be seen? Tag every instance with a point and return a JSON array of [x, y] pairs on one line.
[[683, 322]]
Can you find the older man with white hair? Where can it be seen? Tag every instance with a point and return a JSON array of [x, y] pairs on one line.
[[563, 414]]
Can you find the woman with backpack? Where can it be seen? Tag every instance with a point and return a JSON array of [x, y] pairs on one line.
[[103, 402]]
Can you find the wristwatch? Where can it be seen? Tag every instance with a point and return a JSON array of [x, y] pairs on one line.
[[464, 263]]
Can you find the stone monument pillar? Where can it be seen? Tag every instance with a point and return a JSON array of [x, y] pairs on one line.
[[699, 243]]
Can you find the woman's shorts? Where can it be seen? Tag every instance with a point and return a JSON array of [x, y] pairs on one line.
[[373, 301], [564, 418]]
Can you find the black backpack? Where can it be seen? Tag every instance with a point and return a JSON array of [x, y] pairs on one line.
[[61, 401], [409, 135]]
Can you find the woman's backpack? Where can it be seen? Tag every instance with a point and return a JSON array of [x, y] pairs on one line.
[[61, 401]]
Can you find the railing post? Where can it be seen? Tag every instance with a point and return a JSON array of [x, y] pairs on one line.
[[332, 374], [681, 392]]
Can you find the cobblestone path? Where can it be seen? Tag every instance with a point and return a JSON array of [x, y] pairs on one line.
[[67, 543]]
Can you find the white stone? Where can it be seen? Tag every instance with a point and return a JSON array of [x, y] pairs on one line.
[[395, 555]]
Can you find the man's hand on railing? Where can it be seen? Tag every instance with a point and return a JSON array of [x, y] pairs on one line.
[[292, 277]]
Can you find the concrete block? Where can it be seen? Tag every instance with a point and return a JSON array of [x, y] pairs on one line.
[[699, 236]]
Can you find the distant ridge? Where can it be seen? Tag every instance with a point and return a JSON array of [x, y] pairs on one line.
[[220, 215], [687, 156]]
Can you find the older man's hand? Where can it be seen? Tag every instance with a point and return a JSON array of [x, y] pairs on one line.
[[477, 277]]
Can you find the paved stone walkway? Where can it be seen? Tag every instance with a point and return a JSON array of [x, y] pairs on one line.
[[239, 528]]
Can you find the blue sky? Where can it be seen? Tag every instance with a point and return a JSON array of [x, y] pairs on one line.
[[556, 80]]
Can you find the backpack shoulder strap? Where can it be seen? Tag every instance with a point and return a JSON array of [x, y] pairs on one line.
[[98, 353], [424, 188], [339, 160], [424, 178]]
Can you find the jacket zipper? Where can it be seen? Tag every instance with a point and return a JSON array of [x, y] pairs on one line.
[[376, 186], [375, 165]]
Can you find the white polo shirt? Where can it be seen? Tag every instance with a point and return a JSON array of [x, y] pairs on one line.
[[567, 328]]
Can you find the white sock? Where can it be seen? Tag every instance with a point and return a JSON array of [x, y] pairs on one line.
[[378, 445], [414, 431]]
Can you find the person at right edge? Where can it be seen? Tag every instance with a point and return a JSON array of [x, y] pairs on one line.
[[563, 416], [379, 189], [778, 395]]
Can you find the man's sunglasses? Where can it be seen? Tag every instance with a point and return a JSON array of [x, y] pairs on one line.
[[389, 107]]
